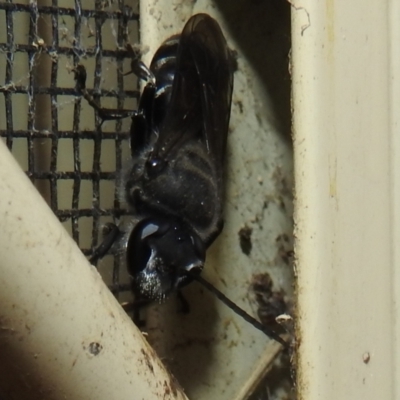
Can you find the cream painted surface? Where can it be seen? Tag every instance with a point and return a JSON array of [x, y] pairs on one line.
[[394, 13], [62, 333], [345, 69]]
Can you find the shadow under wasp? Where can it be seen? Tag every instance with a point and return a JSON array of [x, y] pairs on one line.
[[174, 182]]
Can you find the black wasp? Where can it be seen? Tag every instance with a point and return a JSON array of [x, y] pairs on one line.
[[174, 183]]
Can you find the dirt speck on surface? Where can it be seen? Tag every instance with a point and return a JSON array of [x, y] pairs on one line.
[[245, 239]]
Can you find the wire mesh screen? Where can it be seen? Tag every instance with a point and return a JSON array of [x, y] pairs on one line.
[[65, 149]]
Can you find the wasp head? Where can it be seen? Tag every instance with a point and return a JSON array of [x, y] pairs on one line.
[[161, 256]]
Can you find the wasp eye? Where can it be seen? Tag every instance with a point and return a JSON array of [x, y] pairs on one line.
[[138, 250], [138, 254]]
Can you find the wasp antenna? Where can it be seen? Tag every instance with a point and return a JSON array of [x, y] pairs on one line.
[[128, 73], [111, 233], [247, 317]]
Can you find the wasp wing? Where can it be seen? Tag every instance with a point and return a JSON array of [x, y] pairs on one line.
[[202, 91]]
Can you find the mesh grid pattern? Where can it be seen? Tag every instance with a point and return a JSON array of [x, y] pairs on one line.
[[69, 155]]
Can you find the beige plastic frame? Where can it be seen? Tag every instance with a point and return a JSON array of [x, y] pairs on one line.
[[346, 102]]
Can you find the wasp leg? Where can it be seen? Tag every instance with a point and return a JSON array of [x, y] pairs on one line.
[[139, 68], [104, 113], [140, 132], [141, 122], [112, 232], [184, 304], [136, 308]]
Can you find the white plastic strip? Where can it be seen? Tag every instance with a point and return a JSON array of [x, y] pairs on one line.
[[62, 333], [394, 18], [347, 188]]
